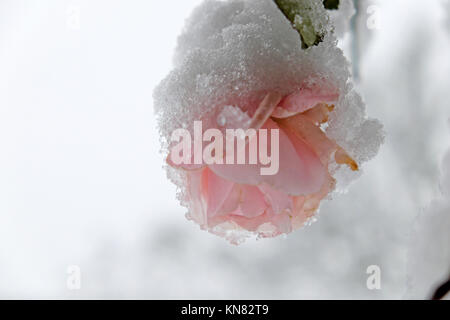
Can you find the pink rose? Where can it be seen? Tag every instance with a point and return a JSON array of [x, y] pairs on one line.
[[225, 198]]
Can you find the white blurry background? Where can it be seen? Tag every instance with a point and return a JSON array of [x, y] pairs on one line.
[[81, 179]]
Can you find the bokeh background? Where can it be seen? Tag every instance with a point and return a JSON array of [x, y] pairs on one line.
[[82, 184]]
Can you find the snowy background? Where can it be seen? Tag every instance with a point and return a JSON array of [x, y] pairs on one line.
[[81, 179]]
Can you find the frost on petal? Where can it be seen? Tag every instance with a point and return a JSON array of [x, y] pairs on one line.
[[232, 117], [265, 110], [184, 166], [304, 99], [304, 129], [319, 114], [230, 55]]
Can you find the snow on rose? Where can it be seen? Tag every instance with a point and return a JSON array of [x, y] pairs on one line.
[[273, 73]]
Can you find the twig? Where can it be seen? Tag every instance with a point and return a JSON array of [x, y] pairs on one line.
[[442, 291]]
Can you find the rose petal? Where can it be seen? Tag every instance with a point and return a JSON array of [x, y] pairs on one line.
[[304, 100], [250, 224], [187, 167], [195, 182], [303, 128], [265, 110], [300, 170], [283, 223], [319, 114], [252, 202], [278, 200], [218, 190], [225, 197], [300, 128]]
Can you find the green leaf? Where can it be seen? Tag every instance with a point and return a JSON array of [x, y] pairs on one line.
[[301, 14]]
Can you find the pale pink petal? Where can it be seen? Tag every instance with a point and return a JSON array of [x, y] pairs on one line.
[[186, 167], [304, 100], [252, 202], [217, 192], [300, 170], [283, 223], [300, 128], [306, 207], [232, 202], [319, 114], [195, 181], [250, 224], [279, 201], [265, 110], [224, 198]]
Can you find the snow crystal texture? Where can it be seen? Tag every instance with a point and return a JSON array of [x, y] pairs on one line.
[[236, 50]]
